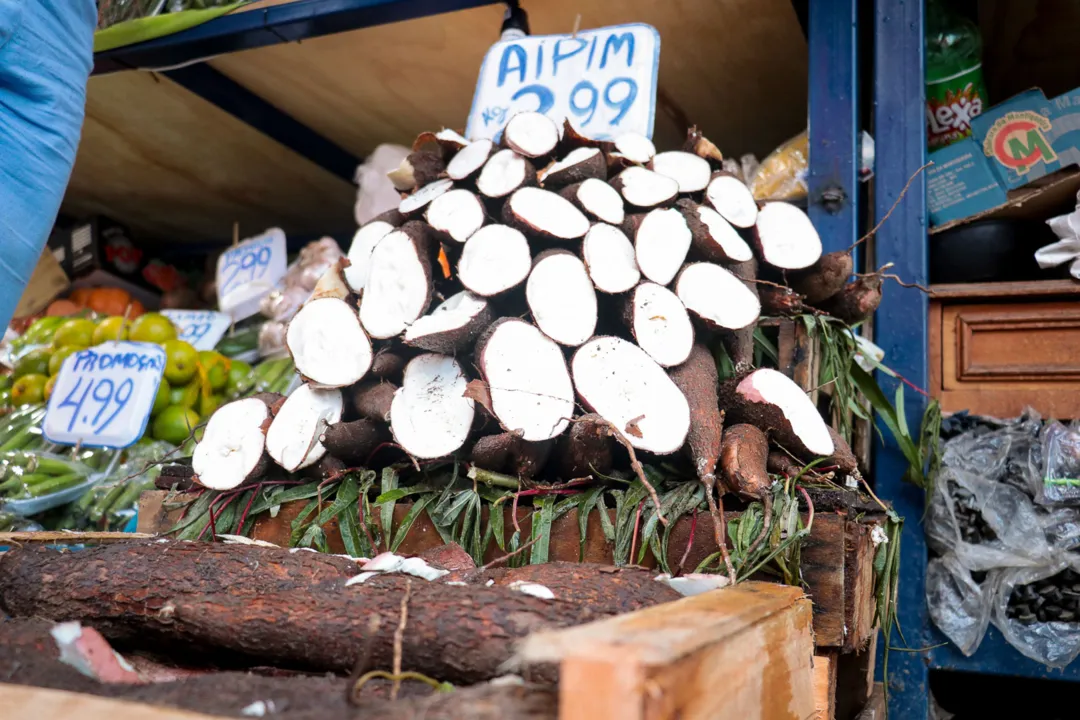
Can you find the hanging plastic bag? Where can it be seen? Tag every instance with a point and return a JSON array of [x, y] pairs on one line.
[[1059, 481], [1018, 603], [958, 605]]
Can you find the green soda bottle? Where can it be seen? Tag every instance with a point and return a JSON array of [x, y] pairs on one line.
[[955, 92]]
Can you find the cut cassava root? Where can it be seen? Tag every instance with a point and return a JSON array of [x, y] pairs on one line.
[[716, 297], [659, 323], [451, 326], [610, 259], [785, 237], [293, 437], [544, 214], [233, 446], [398, 290], [561, 297], [505, 172], [581, 164], [596, 199], [644, 188], [455, 215], [661, 241], [770, 401], [531, 134], [495, 259], [733, 200], [430, 417], [328, 345]]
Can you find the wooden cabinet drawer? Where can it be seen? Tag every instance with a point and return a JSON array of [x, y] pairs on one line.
[[996, 357]]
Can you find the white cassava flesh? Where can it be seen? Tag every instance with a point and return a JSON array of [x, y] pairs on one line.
[[232, 445], [293, 438], [561, 297], [717, 297], [602, 201], [775, 388], [547, 213], [635, 148], [609, 258], [457, 213], [690, 171], [645, 188], [451, 137], [399, 286], [424, 195], [733, 200], [660, 324], [469, 159], [363, 244], [621, 383], [661, 243], [430, 416], [720, 239], [328, 345], [495, 259], [557, 172], [531, 134], [786, 237], [526, 374], [504, 172], [452, 325]]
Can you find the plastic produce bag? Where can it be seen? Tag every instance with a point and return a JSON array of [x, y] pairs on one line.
[[376, 194], [958, 605], [1053, 643], [986, 524], [1059, 479]]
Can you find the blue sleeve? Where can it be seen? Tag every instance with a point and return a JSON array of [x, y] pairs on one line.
[[46, 53]]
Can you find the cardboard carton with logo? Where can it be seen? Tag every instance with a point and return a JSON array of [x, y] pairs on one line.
[[1013, 144]]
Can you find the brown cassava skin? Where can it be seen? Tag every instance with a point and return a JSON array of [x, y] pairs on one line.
[[780, 301], [508, 453], [572, 140], [740, 343], [594, 167], [843, 458], [449, 342], [701, 146], [393, 216], [780, 463], [119, 589], [766, 417], [372, 400], [631, 223], [529, 458], [702, 242], [857, 301], [457, 634], [354, 441], [605, 590], [327, 466], [387, 365], [823, 279], [427, 167], [585, 449], [697, 379], [743, 461]]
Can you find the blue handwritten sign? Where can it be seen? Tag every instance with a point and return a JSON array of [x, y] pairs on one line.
[[201, 328], [603, 80], [250, 270], [103, 395]]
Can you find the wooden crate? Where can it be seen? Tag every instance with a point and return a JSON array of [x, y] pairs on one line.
[[744, 652], [837, 557]]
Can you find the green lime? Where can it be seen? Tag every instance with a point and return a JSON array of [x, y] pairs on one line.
[[240, 378], [216, 366], [174, 424], [161, 400], [184, 395], [152, 328], [35, 362], [49, 385], [181, 361], [60, 355], [29, 389], [78, 331], [111, 329], [209, 403]]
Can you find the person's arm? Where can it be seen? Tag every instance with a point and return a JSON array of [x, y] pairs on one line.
[[46, 53]]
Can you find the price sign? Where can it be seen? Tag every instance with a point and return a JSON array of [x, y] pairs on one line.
[[103, 395], [248, 271], [202, 328], [603, 80]]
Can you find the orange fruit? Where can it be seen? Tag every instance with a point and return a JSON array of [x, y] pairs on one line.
[[109, 301], [62, 307], [80, 296]]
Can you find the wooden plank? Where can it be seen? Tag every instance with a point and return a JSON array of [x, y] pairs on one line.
[[859, 602], [388, 83], [875, 708], [824, 687], [743, 652], [18, 701], [1000, 290], [69, 537], [823, 560], [173, 166]]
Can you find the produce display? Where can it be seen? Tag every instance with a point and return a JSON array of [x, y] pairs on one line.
[[549, 309]]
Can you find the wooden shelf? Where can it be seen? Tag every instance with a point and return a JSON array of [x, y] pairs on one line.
[[1002, 290]]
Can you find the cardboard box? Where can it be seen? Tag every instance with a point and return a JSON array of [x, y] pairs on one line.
[[46, 283], [1012, 144]]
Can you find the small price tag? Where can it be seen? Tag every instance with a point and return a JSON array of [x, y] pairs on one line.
[[248, 271], [202, 328], [103, 395], [603, 80]]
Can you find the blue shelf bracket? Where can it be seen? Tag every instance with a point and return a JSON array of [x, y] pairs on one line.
[[901, 322], [832, 33]]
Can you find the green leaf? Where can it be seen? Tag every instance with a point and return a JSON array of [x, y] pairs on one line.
[[901, 416], [300, 523], [196, 512], [409, 518], [589, 500], [766, 345], [605, 520], [300, 492], [350, 534], [541, 528], [497, 524], [389, 482]]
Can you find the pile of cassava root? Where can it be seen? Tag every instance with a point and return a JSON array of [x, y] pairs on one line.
[[531, 306]]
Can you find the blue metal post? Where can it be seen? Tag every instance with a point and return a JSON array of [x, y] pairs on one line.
[[900, 139], [832, 33]]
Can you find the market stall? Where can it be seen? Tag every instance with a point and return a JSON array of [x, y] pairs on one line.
[[567, 350]]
